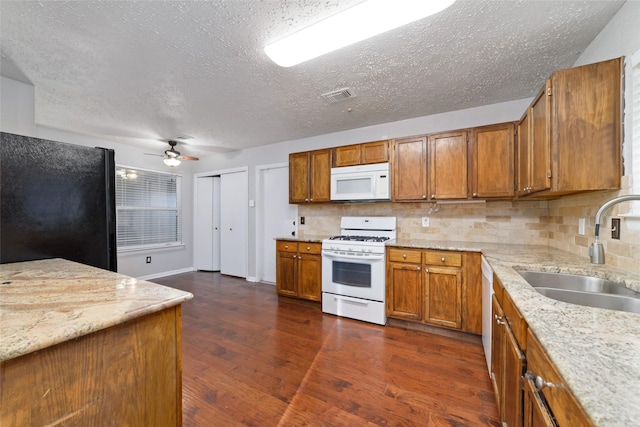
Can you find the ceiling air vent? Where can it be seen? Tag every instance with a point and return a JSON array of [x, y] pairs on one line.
[[338, 95]]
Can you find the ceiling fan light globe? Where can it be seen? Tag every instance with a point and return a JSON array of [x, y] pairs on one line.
[[171, 161]]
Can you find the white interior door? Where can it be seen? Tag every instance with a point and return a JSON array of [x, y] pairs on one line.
[[234, 224], [278, 217], [207, 236], [216, 223], [203, 254]]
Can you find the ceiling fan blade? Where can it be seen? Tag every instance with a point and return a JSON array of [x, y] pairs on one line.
[[153, 154], [188, 158]]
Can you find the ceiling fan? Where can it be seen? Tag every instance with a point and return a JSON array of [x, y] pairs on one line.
[[172, 156]]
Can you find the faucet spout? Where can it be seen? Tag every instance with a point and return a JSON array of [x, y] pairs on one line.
[[596, 250]]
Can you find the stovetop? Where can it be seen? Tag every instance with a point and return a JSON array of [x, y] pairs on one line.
[[360, 238]]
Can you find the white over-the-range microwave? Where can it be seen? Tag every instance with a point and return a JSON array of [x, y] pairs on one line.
[[366, 182]]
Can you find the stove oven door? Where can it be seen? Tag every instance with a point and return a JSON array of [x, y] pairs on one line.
[[354, 274]]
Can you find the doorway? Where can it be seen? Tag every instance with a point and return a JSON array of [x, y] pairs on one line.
[[221, 222], [275, 217]]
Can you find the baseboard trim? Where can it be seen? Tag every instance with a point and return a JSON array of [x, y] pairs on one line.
[[166, 273], [251, 279]]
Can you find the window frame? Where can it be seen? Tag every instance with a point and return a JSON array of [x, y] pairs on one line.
[[178, 209]]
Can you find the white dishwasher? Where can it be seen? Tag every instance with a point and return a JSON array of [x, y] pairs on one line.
[[487, 293]]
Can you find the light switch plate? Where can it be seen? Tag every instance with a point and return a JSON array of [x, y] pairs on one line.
[[425, 221], [581, 226]]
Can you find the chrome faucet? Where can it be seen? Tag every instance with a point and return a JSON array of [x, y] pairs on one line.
[[596, 250]]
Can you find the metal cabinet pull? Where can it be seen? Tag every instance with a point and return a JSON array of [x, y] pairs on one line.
[[404, 256], [443, 259], [541, 383], [499, 319]]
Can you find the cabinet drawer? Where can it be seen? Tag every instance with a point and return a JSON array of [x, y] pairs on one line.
[[450, 259], [564, 406], [309, 248], [405, 255], [286, 246]]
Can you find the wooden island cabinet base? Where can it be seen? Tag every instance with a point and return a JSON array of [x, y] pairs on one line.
[[125, 375]]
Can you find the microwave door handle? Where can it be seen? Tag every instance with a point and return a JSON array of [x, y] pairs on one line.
[[361, 258]]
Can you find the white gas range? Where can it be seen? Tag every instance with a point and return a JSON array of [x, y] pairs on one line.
[[353, 268]]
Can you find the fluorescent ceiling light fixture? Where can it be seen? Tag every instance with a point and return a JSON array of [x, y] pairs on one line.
[[360, 22]]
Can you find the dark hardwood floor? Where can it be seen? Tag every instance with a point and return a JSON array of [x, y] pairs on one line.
[[253, 359]]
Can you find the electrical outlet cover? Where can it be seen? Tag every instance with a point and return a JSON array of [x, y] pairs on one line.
[[425, 221]]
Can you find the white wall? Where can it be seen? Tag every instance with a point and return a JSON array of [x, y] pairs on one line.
[[17, 107], [18, 117], [279, 152]]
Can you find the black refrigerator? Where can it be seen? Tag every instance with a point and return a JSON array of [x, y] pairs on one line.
[[57, 201]]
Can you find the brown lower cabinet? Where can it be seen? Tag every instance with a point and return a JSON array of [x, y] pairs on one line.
[[299, 269], [529, 390], [434, 287], [129, 374]]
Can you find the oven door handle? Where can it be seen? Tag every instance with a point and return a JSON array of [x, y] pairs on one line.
[[369, 257]]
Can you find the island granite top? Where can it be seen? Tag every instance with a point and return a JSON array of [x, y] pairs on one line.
[[46, 302]]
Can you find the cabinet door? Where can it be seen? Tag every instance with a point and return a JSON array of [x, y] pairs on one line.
[[404, 291], [523, 154], [348, 155], [497, 352], [286, 265], [511, 398], [375, 152], [310, 277], [410, 169], [320, 175], [448, 159], [586, 105], [299, 177], [536, 413], [493, 161], [443, 296], [540, 168]]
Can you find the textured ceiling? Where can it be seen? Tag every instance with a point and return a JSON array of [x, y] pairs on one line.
[[140, 72]]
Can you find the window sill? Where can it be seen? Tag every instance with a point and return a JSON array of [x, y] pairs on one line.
[[146, 248]]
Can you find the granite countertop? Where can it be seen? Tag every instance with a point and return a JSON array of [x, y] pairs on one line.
[[306, 238], [43, 303], [596, 351]]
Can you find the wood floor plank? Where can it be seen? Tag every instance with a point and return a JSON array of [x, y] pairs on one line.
[[253, 358]]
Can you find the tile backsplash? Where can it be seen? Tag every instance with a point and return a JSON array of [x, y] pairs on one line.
[[553, 223]]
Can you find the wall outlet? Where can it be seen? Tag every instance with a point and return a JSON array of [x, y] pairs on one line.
[[148, 260], [615, 228], [581, 226], [301, 220], [425, 221]]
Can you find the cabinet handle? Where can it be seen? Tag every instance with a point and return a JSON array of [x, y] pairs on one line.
[[306, 200], [308, 248], [311, 200], [404, 256], [286, 246], [424, 196], [541, 383], [499, 319], [442, 259], [418, 268], [475, 194], [433, 196]]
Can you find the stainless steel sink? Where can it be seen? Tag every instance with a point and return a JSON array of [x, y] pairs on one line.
[[584, 290]]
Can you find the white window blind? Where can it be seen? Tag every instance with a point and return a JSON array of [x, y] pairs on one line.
[[148, 209]]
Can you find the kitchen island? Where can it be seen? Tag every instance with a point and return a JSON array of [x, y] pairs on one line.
[[85, 346], [596, 351]]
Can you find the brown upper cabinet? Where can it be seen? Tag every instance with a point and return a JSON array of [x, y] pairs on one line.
[[492, 164], [569, 140], [448, 165], [409, 169], [310, 176], [361, 154]]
